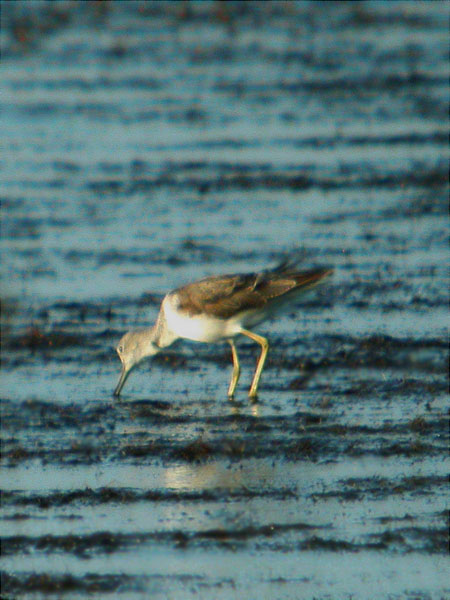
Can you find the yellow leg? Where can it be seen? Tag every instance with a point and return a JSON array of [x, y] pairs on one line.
[[259, 367], [236, 370]]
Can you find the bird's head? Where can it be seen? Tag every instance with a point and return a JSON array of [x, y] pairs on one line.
[[134, 347]]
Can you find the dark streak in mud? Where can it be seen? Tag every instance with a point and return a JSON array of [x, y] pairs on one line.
[[48, 583]]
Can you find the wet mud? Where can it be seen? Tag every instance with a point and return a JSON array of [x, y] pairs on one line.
[[213, 138]]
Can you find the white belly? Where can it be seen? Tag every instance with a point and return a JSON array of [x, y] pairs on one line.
[[200, 328]]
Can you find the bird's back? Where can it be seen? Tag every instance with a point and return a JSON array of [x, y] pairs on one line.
[[225, 296]]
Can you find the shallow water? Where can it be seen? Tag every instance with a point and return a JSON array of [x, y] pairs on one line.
[[147, 145]]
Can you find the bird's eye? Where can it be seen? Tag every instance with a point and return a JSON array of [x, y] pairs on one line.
[[120, 349]]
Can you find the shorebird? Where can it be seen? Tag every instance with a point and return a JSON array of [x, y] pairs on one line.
[[219, 308]]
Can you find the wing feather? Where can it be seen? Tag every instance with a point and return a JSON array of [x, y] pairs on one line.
[[226, 295]]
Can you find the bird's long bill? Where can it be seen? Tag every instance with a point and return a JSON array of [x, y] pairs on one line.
[[122, 379]]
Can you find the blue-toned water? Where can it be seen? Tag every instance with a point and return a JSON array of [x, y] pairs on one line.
[[148, 144]]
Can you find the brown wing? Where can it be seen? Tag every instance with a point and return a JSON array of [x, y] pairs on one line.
[[227, 295], [218, 296]]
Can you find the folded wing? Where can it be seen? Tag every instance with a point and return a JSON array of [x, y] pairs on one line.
[[226, 295]]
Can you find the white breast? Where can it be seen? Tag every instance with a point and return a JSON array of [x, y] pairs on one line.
[[200, 328]]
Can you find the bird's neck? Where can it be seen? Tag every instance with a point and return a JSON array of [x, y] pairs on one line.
[[161, 335], [145, 343]]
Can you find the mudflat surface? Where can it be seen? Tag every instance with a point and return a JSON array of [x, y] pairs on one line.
[[150, 144]]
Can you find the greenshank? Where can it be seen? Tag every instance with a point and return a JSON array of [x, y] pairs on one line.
[[219, 308]]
